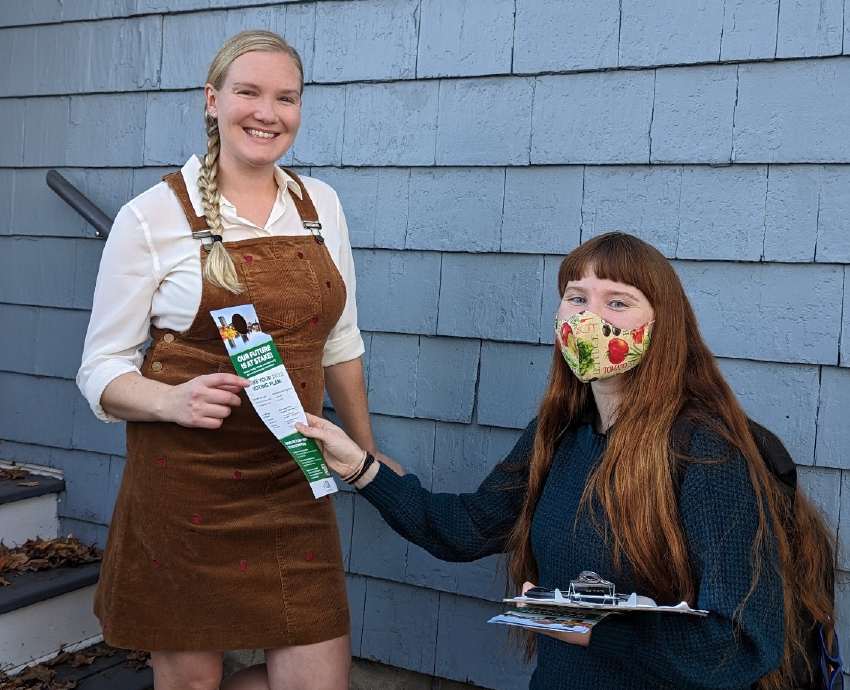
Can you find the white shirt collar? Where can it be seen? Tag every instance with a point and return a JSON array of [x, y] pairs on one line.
[[192, 169]]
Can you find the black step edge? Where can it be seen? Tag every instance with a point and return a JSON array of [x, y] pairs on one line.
[[119, 677], [10, 491], [30, 588], [107, 673], [66, 673]]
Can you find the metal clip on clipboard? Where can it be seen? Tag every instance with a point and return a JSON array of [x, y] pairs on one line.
[[589, 587]]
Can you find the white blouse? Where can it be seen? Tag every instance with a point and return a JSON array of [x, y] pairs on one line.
[[150, 273]]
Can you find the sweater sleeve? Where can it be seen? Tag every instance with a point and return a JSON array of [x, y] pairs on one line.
[[730, 648], [456, 527]]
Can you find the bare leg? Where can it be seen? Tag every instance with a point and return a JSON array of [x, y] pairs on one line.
[[254, 677], [320, 666], [187, 670]]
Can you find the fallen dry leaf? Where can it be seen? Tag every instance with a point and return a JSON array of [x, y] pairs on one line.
[[43, 677], [38, 677], [12, 561], [29, 483], [138, 659], [86, 657], [12, 474], [41, 554], [38, 672]]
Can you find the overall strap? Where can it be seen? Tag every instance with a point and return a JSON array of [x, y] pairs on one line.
[[306, 209], [198, 224], [200, 230]]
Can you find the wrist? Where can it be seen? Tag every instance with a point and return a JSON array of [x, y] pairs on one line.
[[161, 405], [353, 476], [354, 468], [368, 475]]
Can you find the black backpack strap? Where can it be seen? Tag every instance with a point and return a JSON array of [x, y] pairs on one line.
[[680, 441], [776, 457], [771, 449]]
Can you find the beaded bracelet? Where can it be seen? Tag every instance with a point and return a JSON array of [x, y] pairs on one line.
[[365, 465]]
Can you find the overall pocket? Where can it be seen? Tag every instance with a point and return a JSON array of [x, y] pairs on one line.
[[285, 294]]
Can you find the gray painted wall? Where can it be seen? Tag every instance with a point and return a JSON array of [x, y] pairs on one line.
[[473, 143]]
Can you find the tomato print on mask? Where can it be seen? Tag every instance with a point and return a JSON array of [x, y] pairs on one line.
[[595, 349]]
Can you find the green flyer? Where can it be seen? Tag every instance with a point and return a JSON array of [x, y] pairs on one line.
[[255, 357]]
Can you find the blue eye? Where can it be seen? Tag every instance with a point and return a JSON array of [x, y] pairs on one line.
[[617, 304]]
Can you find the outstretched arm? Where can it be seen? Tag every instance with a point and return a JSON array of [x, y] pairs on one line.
[[452, 527]]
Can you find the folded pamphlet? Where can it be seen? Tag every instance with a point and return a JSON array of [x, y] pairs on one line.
[[540, 618], [255, 357]]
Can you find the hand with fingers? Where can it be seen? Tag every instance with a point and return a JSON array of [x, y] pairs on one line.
[[581, 639], [204, 401], [342, 454]]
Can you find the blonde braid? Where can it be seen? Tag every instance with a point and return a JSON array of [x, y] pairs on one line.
[[218, 269]]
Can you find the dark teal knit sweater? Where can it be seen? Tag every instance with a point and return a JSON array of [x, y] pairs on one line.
[[641, 651]]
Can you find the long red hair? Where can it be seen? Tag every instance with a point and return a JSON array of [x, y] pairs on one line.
[[635, 482]]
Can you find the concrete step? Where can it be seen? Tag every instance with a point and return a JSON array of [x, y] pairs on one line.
[[43, 612], [29, 511]]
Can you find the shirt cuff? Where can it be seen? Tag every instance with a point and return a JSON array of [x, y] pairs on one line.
[[343, 349], [99, 380]]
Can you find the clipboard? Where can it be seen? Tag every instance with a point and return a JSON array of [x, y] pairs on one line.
[[591, 592]]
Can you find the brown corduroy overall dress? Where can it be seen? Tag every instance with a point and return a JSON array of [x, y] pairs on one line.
[[216, 542]]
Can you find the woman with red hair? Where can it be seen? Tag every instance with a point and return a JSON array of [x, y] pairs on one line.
[[602, 481]]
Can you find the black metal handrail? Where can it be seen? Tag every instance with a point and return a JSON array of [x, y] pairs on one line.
[[80, 203]]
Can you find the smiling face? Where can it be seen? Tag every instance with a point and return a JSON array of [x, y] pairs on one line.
[[621, 305], [258, 108]]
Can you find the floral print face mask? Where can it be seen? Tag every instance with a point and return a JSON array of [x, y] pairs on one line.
[[595, 349]]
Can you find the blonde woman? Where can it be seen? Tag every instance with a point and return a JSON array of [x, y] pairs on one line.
[[216, 542]]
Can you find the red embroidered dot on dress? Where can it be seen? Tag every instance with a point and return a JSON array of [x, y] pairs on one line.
[[155, 563], [160, 462], [303, 385], [314, 320], [237, 474], [196, 519], [300, 255], [243, 565], [328, 283], [249, 258], [309, 555]]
